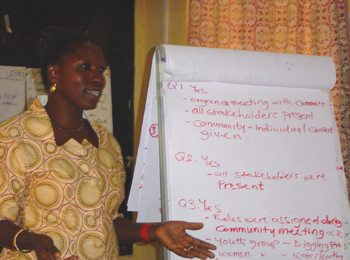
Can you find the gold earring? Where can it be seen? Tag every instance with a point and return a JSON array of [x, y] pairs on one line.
[[53, 88]]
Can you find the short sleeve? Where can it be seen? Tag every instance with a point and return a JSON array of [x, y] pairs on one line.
[[11, 184]]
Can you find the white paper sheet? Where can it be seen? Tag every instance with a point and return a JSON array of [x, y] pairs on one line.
[[245, 171], [12, 91], [147, 162], [203, 64], [195, 64]]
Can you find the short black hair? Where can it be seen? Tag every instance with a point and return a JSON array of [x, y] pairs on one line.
[[54, 43]]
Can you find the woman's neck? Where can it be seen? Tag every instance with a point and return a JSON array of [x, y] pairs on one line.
[[65, 116], [68, 123]]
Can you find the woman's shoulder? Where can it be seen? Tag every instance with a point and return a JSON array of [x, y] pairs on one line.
[[106, 136], [10, 129], [14, 127], [35, 111], [14, 120], [98, 127]]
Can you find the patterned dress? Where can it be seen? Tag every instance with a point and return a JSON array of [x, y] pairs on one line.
[[71, 192]]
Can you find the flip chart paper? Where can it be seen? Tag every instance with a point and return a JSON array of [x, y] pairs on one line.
[[194, 64], [147, 163], [250, 177]]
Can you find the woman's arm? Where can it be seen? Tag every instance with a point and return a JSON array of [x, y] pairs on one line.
[[171, 234], [8, 231], [127, 231]]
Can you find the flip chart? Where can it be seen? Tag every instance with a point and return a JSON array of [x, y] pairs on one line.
[[248, 145]]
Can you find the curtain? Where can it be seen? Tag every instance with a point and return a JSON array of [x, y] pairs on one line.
[[314, 27]]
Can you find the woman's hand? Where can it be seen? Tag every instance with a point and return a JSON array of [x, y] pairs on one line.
[[45, 249], [42, 245], [173, 236]]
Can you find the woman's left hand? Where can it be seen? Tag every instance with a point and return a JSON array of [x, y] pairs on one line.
[[173, 236]]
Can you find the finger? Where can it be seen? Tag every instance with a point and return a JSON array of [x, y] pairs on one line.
[[200, 249], [191, 241], [199, 252], [182, 253], [44, 255], [203, 250], [53, 251], [57, 255], [179, 246], [193, 225], [191, 252], [203, 244]]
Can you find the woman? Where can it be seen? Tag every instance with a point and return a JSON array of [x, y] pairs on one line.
[[62, 175]]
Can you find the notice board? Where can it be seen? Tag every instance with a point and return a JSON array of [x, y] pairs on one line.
[[248, 145]]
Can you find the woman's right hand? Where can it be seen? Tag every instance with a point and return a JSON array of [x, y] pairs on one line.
[[42, 245], [45, 249]]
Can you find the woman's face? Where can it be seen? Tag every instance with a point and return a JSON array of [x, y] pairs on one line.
[[80, 78]]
